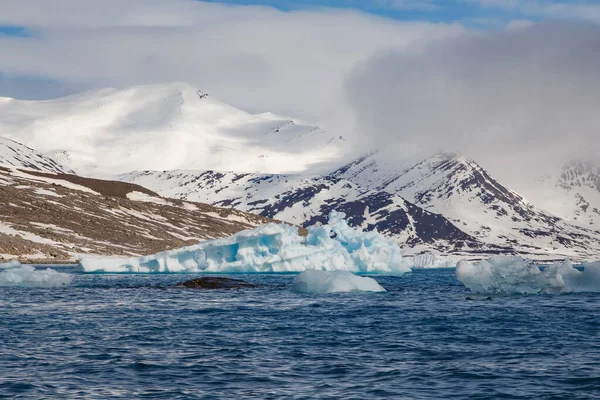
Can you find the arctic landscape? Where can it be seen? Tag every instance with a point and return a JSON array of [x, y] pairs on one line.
[[216, 200]]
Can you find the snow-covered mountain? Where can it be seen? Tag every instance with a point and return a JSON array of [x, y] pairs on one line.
[[305, 200], [446, 201], [162, 126], [465, 193], [14, 154], [191, 146], [572, 193]]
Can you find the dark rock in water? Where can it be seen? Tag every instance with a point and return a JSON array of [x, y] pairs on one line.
[[478, 298], [210, 282]]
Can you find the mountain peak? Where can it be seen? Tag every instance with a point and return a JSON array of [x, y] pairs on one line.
[[163, 126], [580, 174]]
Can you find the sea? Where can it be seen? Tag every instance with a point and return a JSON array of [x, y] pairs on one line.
[[108, 336]]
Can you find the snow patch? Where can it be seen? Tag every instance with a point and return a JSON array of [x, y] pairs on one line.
[[322, 282], [516, 275], [45, 192], [139, 196], [271, 248], [28, 276]]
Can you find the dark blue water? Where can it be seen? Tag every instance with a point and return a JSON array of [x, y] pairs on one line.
[[126, 336]]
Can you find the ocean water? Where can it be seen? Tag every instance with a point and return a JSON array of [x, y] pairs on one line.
[[131, 336]]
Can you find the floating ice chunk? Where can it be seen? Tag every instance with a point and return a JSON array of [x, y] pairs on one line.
[[322, 282], [10, 264], [271, 248], [512, 274], [430, 260], [28, 276]]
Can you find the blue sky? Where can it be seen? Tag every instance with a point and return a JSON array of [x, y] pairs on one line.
[[405, 10], [470, 13], [10, 30]]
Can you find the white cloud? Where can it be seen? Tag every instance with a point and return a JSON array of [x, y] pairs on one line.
[[256, 58], [504, 97], [517, 101]]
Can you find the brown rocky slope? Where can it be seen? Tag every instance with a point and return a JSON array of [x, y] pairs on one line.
[[57, 218]]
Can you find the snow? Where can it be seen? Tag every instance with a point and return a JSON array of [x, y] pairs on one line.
[[516, 275], [45, 192], [458, 188], [9, 230], [16, 155], [271, 248], [28, 276], [53, 181], [143, 197], [161, 127], [265, 194], [322, 282], [570, 192]]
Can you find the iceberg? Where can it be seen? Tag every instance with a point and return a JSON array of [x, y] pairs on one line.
[[516, 275], [10, 264], [323, 282], [271, 248], [28, 276], [430, 260]]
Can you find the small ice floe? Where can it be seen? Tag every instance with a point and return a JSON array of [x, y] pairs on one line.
[[431, 260], [516, 275], [10, 264], [322, 282], [28, 276]]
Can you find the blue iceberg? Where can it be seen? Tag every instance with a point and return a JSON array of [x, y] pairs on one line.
[[271, 248]]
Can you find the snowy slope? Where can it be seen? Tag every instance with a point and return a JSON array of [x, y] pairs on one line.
[[14, 154], [572, 193], [304, 200], [453, 204], [160, 127], [462, 191]]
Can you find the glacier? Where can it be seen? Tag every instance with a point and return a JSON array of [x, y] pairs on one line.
[[323, 282], [271, 248], [516, 275], [28, 276]]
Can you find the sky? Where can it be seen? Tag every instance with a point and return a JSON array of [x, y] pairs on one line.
[[507, 82]]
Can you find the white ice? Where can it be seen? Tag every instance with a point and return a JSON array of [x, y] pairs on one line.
[[28, 276], [271, 248], [430, 260], [322, 282], [515, 275], [10, 264]]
